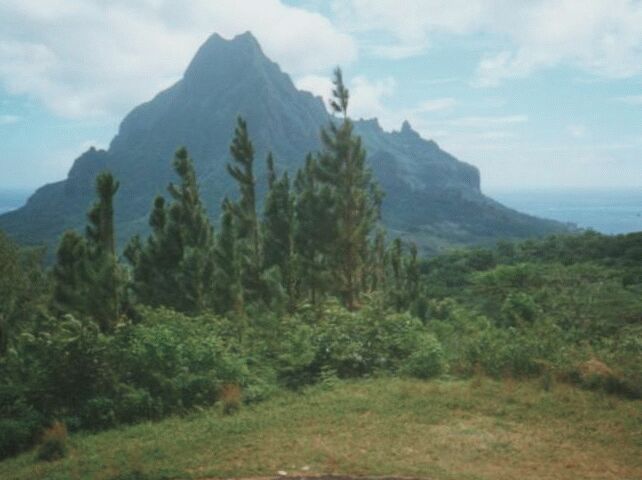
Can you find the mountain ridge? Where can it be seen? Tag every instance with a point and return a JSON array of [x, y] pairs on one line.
[[431, 197]]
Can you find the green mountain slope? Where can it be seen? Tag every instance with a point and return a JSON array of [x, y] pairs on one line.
[[430, 196]]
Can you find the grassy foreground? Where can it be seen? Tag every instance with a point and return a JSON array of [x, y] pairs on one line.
[[474, 429]]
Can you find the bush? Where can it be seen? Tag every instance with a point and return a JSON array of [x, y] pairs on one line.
[[169, 363], [518, 309], [98, 413], [15, 435], [54, 443], [296, 355], [134, 404], [357, 344], [427, 361], [472, 341], [19, 422]]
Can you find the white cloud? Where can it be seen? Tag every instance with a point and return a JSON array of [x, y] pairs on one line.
[[410, 23], [367, 96], [318, 85], [101, 58], [368, 100], [603, 37]]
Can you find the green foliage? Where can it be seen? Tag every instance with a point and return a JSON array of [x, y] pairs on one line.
[[314, 234], [246, 223], [20, 423], [365, 342], [428, 359], [164, 364], [297, 352], [354, 196], [24, 290], [175, 266], [278, 231], [472, 342], [519, 308], [228, 290], [88, 281]]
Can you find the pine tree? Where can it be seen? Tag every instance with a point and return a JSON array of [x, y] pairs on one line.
[[278, 230], [87, 276], [155, 261], [71, 289], [356, 197], [103, 263], [314, 232], [244, 211], [227, 286], [24, 290], [100, 231], [412, 274], [175, 266], [396, 264], [378, 262]]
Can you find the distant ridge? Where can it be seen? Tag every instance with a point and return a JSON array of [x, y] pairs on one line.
[[431, 197]]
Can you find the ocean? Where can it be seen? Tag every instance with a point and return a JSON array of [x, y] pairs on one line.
[[609, 211], [12, 199]]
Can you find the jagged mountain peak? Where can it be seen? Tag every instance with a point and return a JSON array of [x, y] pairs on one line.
[[221, 62], [407, 130], [427, 190]]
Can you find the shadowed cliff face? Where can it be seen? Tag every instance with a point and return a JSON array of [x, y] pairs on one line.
[[429, 194]]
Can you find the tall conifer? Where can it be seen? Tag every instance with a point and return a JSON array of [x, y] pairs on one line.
[[175, 266], [278, 229], [244, 211], [356, 197], [314, 232], [86, 274], [228, 288]]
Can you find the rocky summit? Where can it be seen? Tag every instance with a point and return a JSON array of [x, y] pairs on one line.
[[430, 196]]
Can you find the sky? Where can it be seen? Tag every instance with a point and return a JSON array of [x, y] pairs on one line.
[[535, 93]]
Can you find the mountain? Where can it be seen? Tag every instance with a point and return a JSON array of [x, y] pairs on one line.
[[430, 196]]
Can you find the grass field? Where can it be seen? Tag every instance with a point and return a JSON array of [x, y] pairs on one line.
[[447, 429]]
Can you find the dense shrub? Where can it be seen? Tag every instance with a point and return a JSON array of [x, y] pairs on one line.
[[427, 360], [296, 354], [471, 341], [20, 423], [98, 413], [355, 344], [166, 363]]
